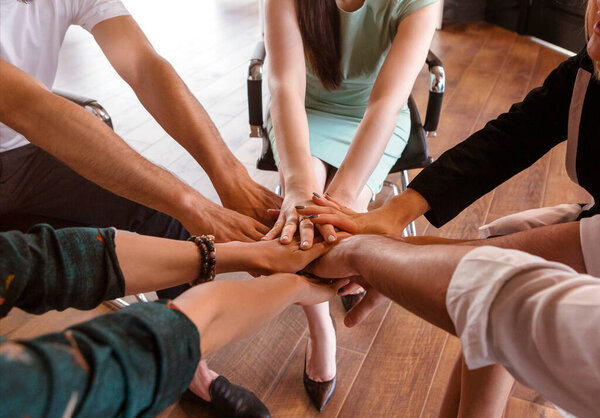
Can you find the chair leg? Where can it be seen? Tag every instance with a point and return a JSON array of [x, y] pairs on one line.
[[141, 297], [116, 304], [411, 229]]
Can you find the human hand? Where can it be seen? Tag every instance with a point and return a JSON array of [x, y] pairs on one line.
[[331, 212], [288, 222], [225, 224], [252, 199], [267, 257], [313, 291], [336, 263]]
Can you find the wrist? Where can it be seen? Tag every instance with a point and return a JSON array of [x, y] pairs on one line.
[[188, 206]]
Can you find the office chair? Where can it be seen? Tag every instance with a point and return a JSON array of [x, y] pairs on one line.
[[416, 153]]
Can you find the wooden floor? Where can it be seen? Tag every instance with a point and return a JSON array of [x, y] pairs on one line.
[[393, 364]]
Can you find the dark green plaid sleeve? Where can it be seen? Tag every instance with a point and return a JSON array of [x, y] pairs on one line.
[[135, 362], [47, 269]]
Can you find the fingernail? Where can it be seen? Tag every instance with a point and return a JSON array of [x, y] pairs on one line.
[[284, 237], [305, 244], [317, 195], [328, 195], [348, 322], [340, 290], [312, 216], [331, 238], [300, 207]]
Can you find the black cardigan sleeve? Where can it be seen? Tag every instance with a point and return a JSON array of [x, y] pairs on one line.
[[503, 148]]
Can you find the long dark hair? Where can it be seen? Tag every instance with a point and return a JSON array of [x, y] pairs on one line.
[[319, 23]]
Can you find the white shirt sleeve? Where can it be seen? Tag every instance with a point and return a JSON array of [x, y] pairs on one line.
[[89, 13], [537, 318], [589, 232]]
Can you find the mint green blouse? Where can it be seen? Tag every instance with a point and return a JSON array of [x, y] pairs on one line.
[[333, 116]]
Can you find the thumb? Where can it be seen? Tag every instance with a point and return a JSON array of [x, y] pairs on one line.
[[364, 308]]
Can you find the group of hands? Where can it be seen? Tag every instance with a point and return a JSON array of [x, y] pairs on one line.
[[278, 237]]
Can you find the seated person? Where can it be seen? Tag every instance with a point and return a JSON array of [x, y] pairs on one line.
[[340, 74], [537, 315], [141, 359], [565, 107]]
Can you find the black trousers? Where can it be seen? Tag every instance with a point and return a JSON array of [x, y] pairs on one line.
[[37, 188]]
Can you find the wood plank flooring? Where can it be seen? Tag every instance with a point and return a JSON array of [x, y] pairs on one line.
[[394, 364]]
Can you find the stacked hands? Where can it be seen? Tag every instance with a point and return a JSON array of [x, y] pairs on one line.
[[322, 260]]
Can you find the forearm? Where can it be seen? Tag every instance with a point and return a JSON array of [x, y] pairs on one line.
[[152, 263], [366, 149], [415, 277], [89, 147], [231, 310], [560, 243], [166, 97], [291, 135]]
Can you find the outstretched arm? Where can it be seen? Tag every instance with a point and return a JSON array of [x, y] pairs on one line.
[[287, 85], [89, 147], [170, 102], [43, 269]]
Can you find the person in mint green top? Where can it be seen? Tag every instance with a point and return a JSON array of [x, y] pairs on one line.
[[334, 115], [340, 73]]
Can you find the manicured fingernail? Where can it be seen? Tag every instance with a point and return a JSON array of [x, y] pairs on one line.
[[300, 207], [331, 238], [305, 244], [312, 216], [283, 237], [317, 195], [340, 290], [328, 195]]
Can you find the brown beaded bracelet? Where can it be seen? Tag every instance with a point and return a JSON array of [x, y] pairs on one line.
[[208, 262]]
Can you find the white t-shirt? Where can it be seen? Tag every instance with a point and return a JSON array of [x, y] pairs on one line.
[[31, 35]]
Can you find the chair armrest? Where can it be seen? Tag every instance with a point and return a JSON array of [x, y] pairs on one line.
[[437, 87], [255, 107], [90, 105]]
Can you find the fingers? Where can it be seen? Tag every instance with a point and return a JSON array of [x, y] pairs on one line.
[[339, 221], [273, 213], [325, 201], [275, 231], [327, 232], [307, 233], [289, 229], [364, 308]]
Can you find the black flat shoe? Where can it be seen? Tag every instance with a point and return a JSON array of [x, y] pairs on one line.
[[232, 401], [349, 301], [319, 392]]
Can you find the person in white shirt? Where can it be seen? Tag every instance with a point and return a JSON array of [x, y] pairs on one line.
[[535, 313], [61, 165]]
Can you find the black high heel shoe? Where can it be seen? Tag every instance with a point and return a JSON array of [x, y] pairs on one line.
[[232, 401], [319, 392], [350, 301]]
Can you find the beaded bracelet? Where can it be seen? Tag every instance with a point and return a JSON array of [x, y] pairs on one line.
[[206, 245]]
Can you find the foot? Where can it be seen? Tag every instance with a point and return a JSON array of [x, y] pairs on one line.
[[351, 300], [320, 354], [319, 367], [224, 397]]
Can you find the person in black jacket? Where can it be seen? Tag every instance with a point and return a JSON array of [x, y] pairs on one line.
[[565, 107]]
